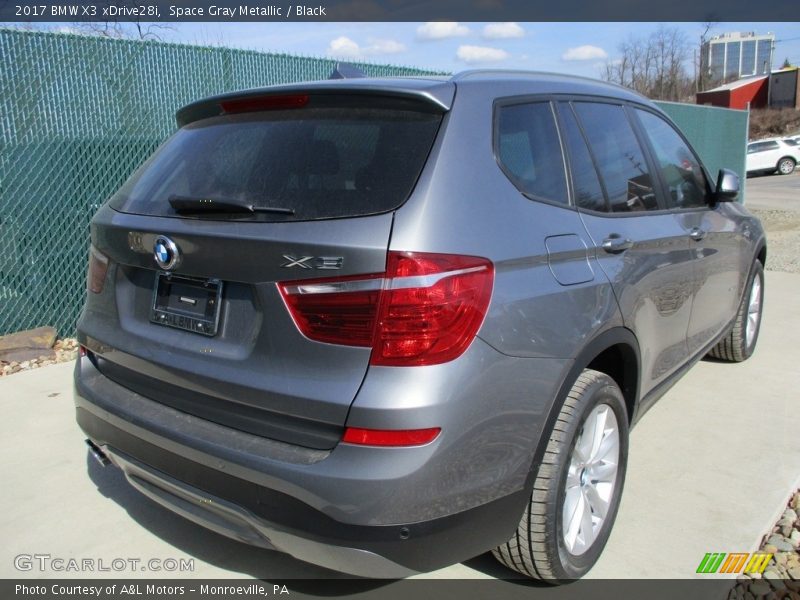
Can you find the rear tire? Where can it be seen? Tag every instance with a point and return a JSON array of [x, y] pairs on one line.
[[786, 166], [740, 342], [577, 487]]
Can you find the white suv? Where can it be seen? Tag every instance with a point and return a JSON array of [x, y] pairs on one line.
[[772, 154]]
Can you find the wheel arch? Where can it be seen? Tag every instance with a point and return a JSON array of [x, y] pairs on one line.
[[761, 253], [614, 352]]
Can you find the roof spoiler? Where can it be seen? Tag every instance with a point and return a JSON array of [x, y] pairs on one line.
[[346, 71]]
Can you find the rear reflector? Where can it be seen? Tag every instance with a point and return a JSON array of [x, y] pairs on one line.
[[242, 105], [390, 437], [424, 310], [98, 267]]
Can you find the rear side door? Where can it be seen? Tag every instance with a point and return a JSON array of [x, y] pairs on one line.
[[642, 248], [717, 246]]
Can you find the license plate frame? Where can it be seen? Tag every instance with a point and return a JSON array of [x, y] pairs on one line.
[[187, 303]]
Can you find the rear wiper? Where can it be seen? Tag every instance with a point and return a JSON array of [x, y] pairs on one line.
[[186, 204]]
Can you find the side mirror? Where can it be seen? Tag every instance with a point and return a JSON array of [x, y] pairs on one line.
[[727, 186]]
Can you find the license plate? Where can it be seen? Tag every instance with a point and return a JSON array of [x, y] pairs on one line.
[[186, 303]]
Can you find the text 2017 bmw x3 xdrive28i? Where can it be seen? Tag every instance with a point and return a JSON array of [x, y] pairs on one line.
[[385, 325]]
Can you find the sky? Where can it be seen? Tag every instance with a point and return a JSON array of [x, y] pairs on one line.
[[574, 48]]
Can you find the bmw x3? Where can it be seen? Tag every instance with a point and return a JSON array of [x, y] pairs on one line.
[[386, 325]]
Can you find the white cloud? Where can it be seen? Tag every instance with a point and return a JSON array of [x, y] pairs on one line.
[[439, 30], [344, 47], [378, 46], [584, 53], [500, 31], [480, 54]]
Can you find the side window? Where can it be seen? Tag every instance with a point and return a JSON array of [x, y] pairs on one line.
[[680, 170], [588, 191], [619, 157], [762, 147], [529, 150]]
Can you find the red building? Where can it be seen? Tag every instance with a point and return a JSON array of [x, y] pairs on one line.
[[738, 94]]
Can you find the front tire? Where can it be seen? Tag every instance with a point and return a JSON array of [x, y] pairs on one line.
[[786, 166], [740, 342], [577, 487]]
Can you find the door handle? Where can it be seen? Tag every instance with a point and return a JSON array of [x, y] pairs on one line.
[[697, 234], [614, 244]]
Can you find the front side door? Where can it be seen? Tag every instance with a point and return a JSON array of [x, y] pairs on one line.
[[716, 243]]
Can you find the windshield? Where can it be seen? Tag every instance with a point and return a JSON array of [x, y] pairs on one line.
[[318, 162]]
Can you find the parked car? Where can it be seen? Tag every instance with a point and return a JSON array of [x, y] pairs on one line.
[[772, 155], [386, 325]]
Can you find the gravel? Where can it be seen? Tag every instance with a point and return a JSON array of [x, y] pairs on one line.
[[66, 350], [783, 238], [782, 576]]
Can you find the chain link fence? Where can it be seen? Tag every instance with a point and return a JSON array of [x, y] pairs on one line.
[[78, 114]]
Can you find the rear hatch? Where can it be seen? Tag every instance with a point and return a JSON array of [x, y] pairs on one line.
[[254, 191]]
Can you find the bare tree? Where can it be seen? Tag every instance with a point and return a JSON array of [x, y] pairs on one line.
[[703, 77], [114, 28], [126, 30], [655, 65]]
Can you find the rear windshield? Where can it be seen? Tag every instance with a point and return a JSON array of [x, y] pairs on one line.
[[322, 162]]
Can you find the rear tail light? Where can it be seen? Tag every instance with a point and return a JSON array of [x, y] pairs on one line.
[[98, 267], [424, 310], [390, 437]]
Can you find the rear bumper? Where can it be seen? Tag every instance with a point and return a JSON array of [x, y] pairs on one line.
[[273, 494], [236, 522]]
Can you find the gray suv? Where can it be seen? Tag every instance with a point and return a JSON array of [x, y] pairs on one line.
[[386, 325]]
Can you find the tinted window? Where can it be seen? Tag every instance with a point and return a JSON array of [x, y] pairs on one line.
[[320, 162], [762, 147], [529, 150], [680, 170], [790, 142], [588, 192], [619, 157]]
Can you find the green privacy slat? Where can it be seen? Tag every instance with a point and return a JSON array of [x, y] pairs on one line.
[[78, 115], [718, 134]]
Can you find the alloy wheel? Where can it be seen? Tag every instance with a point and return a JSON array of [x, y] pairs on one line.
[[591, 479]]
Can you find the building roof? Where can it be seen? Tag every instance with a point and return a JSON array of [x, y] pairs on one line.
[[786, 70], [733, 85]]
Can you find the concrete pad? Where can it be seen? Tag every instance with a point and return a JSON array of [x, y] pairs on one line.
[[28, 345], [41, 337], [710, 468], [715, 460]]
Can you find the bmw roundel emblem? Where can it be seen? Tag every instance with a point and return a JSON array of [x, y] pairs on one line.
[[166, 253]]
